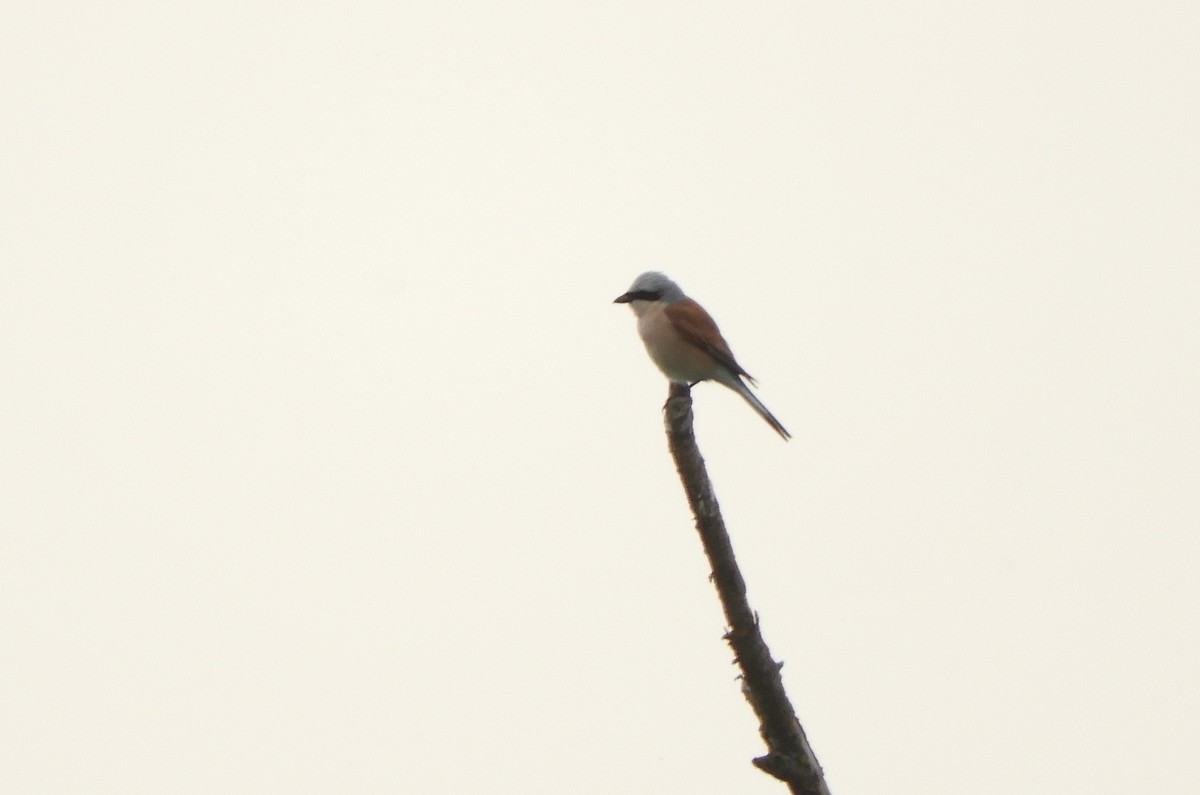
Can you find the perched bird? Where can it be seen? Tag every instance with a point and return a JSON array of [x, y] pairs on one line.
[[684, 341]]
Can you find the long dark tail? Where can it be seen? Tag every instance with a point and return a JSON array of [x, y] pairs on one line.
[[740, 387]]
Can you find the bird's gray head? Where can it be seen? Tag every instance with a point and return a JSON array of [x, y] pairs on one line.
[[652, 286]]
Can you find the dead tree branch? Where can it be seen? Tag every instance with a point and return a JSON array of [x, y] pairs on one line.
[[789, 757]]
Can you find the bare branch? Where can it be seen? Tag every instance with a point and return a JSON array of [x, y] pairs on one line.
[[789, 757]]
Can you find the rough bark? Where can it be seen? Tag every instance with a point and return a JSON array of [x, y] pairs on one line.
[[789, 757]]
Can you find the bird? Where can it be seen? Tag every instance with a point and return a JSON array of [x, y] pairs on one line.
[[684, 342]]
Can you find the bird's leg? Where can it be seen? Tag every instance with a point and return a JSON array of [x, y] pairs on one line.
[[678, 389], [678, 408]]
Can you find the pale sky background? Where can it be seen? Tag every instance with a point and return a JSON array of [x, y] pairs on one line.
[[329, 465]]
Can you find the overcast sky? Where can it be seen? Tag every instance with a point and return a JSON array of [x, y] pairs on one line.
[[329, 465]]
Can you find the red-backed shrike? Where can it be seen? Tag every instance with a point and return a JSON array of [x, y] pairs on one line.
[[684, 341]]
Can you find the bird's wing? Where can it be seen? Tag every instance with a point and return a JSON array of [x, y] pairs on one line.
[[697, 327]]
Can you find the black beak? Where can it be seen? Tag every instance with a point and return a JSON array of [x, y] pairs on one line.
[[623, 299]]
